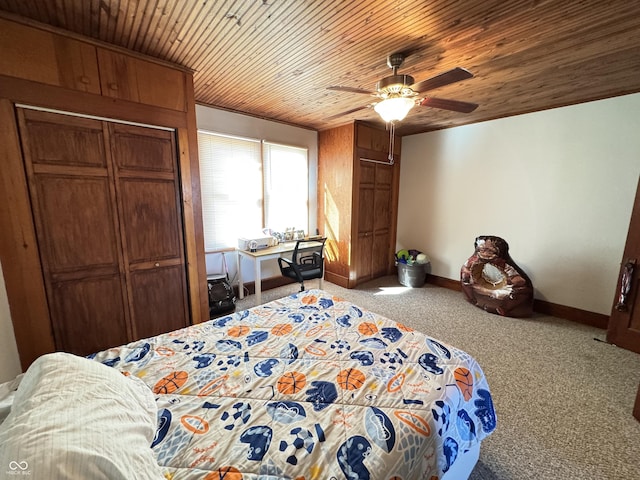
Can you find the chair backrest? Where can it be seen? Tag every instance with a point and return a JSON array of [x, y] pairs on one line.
[[309, 253]]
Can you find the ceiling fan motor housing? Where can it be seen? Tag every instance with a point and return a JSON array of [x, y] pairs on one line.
[[396, 85]]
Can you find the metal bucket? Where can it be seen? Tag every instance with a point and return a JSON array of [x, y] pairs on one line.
[[413, 276]]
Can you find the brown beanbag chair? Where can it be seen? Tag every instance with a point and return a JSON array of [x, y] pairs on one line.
[[491, 280]]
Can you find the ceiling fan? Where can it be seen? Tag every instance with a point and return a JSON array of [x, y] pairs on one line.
[[399, 93]]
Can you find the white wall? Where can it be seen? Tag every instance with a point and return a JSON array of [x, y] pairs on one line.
[[221, 121], [558, 185], [9, 360]]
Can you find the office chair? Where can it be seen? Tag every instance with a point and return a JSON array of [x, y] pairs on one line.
[[307, 261]]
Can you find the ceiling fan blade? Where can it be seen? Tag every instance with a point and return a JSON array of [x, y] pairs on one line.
[[453, 105], [445, 78], [339, 88], [353, 110]]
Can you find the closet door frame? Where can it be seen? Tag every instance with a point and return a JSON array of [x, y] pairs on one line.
[[22, 269]]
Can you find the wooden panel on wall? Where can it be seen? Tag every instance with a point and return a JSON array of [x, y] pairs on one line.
[[363, 259], [71, 214], [155, 291], [148, 207], [367, 213], [158, 147], [360, 186], [78, 142], [130, 78], [43, 80], [44, 57], [382, 258], [19, 251], [335, 190], [192, 210], [382, 208]]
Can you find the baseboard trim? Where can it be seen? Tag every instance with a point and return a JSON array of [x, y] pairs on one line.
[[267, 284], [570, 313], [444, 282], [577, 315], [336, 279]]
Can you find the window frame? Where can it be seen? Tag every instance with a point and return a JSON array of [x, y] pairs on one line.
[[263, 174]]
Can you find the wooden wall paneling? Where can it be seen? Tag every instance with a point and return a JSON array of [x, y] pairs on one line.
[[44, 57], [49, 96], [130, 78], [19, 248], [335, 190], [359, 189], [77, 65], [192, 209]]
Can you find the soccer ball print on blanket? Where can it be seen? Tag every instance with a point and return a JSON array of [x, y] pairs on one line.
[[309, 386]]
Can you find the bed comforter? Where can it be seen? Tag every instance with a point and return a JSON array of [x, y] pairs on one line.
[[308, 387]]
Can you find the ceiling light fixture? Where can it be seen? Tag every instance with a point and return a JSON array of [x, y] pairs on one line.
[[394, 109]]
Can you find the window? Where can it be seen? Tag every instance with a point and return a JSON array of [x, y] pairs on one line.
[[286, 187], [238, 199]]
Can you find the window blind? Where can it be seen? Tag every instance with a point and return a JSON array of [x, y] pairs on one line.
[[286, 187], [231, 186]]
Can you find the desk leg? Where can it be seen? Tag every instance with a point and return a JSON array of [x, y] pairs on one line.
[[320, 283], [258, 282], [240, 282]]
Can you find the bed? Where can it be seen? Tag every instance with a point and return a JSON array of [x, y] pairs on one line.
[[308, 387]]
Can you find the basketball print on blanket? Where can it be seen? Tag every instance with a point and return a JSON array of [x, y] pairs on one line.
[[308, 386]]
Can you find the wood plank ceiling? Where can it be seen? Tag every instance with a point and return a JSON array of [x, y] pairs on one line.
[[275, 58]]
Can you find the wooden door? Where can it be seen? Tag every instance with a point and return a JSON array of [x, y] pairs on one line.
[[106, 205], [624, 323], [366, 216], [382, 226], [146, 179], [374, 220], [77, 229]]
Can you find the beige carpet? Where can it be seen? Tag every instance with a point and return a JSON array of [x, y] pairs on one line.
[[563, 399]]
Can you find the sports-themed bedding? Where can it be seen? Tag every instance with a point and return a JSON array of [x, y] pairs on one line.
[[308, 387]]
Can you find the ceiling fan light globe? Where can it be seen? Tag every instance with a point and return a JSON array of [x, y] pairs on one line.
[[394, 109]]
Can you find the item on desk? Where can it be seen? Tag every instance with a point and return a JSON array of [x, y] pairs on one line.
[[288, 234], [275, 238], [261, 242]]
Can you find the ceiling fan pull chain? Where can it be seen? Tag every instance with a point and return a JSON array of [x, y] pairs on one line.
[[392, 131]]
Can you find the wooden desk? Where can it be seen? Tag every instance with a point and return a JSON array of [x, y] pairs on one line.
[[258, 257]]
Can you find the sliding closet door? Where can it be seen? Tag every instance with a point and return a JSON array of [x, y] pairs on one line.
[[106, 205], [147, 187], [73, 201]]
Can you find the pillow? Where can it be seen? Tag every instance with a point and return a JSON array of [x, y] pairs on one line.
[[7, 392], [74, 418]]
